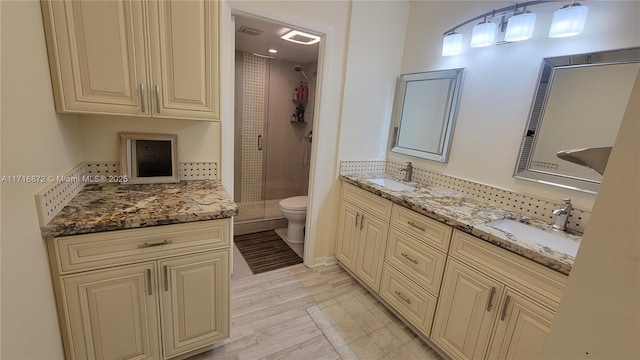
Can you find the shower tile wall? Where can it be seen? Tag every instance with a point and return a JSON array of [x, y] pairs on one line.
[[253, 111], [286, 175], [264, 88]]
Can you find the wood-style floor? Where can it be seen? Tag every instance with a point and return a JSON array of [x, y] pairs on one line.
[[269, 318]]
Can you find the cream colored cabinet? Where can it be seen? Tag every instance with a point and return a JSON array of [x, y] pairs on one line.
[[362, 234], [194, 310], [141, 58], [114, 313], [467, 309], [414, 265], [493, 303], [156, 292]]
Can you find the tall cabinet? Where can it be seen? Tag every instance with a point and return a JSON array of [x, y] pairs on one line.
[[153, 58]]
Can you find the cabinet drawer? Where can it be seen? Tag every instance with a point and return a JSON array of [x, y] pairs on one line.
[[542, 283], [428, 230], [92, 251], [415, 259], [409, 300], [371, 203]]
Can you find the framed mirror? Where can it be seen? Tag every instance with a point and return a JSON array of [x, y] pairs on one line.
[[578, 104], [149, 158], [424, 114]]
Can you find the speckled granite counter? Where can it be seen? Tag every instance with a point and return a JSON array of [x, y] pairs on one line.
[[113, 206], [471, 216]]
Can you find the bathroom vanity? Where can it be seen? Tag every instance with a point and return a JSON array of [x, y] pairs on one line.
[[469, 289], [142, 270]]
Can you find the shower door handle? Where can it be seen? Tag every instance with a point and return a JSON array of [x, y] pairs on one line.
[[260, 142]]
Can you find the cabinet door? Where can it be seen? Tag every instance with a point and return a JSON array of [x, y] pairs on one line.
[[347, 236], [371, 245], [194, 301], [183, 36], [112, 314], [522, 329], [466, 310], [97, 56]]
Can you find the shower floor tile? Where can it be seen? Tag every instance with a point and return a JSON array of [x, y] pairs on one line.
[[254, 210]]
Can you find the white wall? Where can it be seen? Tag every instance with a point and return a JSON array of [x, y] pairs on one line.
[[599, 316], [35, 141], [376, 42], [500, 81]]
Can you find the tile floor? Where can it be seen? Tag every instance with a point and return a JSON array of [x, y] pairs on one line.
[[307, 314]]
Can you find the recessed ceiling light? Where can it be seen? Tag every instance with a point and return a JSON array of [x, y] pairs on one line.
[[263, 56], [300, 37], [273, 51]]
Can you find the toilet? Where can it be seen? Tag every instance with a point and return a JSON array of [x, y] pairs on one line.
[[295, 210]]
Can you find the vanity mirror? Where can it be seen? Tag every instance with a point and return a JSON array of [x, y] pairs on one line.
[[149, 158], [579, 103], [424, 113]]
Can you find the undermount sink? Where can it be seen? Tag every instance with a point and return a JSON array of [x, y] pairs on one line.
[[390, 184], [559, 241]]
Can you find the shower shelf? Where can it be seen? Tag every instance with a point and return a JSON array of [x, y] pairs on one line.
[[302, 103]]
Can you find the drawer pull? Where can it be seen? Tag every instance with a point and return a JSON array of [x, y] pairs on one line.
[[490, 302], [146, 245], [399, 294], [421, 228], [361, 221], [504, 309], [149, 288], [408, 258], [357, 217]]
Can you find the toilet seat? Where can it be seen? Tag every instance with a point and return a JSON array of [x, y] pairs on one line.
[[294, 203]]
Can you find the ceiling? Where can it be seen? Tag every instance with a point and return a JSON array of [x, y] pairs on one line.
[[269, 38]]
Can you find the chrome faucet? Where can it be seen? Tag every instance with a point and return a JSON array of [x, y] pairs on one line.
[[562, 215], [409, 171]]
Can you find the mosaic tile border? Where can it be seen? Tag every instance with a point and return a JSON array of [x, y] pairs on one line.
[[521, 203], [51, 199]]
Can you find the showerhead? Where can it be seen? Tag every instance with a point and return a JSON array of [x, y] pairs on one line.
[[298, 68]]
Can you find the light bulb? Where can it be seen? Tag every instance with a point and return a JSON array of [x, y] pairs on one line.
[[568, 21], [520, 27], [452, 44], [483, 34]]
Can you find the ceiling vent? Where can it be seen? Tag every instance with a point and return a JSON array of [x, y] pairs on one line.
[[249, 31]]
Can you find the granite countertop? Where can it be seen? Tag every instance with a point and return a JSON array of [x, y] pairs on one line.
[[469, 215], [114, 206]]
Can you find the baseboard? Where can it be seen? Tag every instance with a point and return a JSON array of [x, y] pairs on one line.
[[323, 261]]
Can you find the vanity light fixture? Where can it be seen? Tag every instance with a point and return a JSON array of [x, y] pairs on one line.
[[568, 21], [300, 37], [517, 23], [483, 34]]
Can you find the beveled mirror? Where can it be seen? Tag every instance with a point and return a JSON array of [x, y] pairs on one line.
[[424, 114], [579, 103]]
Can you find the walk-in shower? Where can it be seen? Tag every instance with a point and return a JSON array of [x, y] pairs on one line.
[[272, 151]]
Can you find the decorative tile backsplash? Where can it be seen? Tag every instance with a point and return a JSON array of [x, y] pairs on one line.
[[50, 200], [521, 203]]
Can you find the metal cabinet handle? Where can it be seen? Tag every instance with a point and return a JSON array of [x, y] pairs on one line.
[[361, 221], [157, 91], [399, 294], [408, 258], [357, 216], [142, 104], [146, 245], [490, 302], [415, 225], [149, 288], [259, 142], [166, 278], [504, 308]]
